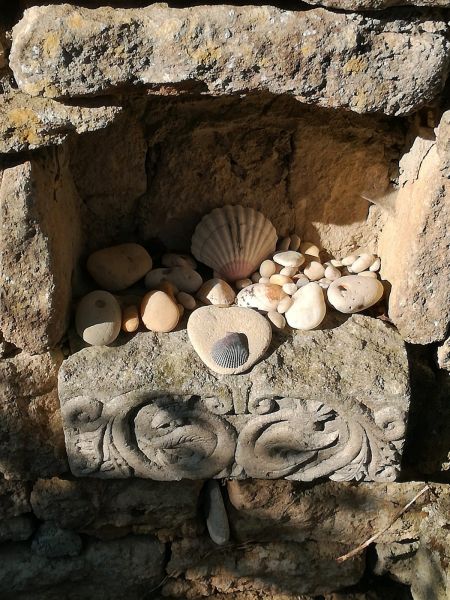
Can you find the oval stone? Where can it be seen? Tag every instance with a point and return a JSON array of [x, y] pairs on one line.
[[290, 258], [159, 312], [184, 279], [263, 296], [98, 318], [309, 308], [118, 267], [352, 293]]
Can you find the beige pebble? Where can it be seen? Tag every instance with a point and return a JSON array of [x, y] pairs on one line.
[[184, 278], [217, 292], [242, 283], [362, 263], [301, 280], [278, 279], [178, 260], [308, 309], [310, 249], [375, 266], [159, 312], [336, 263], [314, 271], [263, 296], [264, 280], [276, 319], [353, 293], [368, 274], [130, 319], [324, 283], [267, 268], [186, 300], [284, 244], [295, 242], [332, 273], [348, 260], [289, 288], [284, 304], [118, 267], [98, 318], [289, 271], [256, 277], [289, 258]]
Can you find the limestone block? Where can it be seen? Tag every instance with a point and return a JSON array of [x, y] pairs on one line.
[[414, 251], [39, 237], [306, 568], [367, 64], [31, 443], [330, 403]]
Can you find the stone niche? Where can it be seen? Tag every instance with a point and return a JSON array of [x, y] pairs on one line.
[[153, 120]]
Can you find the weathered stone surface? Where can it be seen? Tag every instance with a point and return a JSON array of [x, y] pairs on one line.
[[135, 561], [443, 355], [414, 249], [363, 63], [338, 399], [14, 498], [39, 239], [53, 542], [375, 4], [443, 143], [16, 529], [28, 123], [199, 568], [31, 440]]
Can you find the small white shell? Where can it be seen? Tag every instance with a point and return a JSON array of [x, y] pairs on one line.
[[234, 240]]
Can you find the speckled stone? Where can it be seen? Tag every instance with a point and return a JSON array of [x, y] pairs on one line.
[[353, 293], [98, 318], [118, 267]]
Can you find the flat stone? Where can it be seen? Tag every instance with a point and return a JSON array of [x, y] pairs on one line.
[[209, 324], [373, 64], [290, 258], [119, 267]]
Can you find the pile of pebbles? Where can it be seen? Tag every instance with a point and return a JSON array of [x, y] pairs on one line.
[[291, 287]]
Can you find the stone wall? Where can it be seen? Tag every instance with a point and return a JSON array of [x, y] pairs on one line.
[[124, 122]]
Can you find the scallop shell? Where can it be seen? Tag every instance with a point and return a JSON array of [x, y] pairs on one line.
[[231, 351], [234, 240]]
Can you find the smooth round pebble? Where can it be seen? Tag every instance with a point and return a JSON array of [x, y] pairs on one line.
[[284, 244], [289, 288], [295, 242], [118, 267], [277, 319], [332, 273], [284, 305], [348, 260], [216, 292], [362, 263], [130, 319], [183, 278], [375, 266], [353, 293], [242, 283], [314, 271], [178, 260], [264, 280], [186, 300], [324, 283], [256, 277], [98, 318], [278, 279], [336, 263], [263, 296], [310, 249], [159, 312], [308, 309], [267, 268], [301, 280], [289, 271], [368, 274], [289, 258]]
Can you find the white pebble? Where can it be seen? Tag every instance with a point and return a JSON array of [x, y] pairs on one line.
[[301, 280], [375, 266], [336, 263], [284, 244], [325, 283], [256, 277], [284, 305], [186, 300], [348, 260], [290, 288], [310, 249], [276, 319], [242, 283], [289, 258], [267, 268], [332, 273], [308, 309], [264, 280], [368, 274], [354, 293], [295, 242], [314, 271], [278, 279], [289, 271], [362, 263]]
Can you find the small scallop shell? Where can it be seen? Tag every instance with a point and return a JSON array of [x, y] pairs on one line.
[[231, 351], [234, 240]]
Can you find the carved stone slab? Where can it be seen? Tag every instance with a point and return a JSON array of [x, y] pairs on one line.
[[330, 403]]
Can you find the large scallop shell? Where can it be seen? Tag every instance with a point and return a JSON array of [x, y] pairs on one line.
[[231, 351], [234, 240]]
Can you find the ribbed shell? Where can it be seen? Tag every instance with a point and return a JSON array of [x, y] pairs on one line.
[[231, 351], [234, 240]]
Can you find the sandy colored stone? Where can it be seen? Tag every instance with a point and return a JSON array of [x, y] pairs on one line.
[[443, 355], [279, 279], [310, 249], [130, 319], [351, 293], [56, 52], [267, 268], [208, 324], [119, 267], [216, 292], [314, 270], [332, 273], [277, 319], [186, 300], [363, 262], [263, 296], [159, 312], [185, 279], [98, 318], [308, 309], [356, 5], [289, 258], [240, 284]]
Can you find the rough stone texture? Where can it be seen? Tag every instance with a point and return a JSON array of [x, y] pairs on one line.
[[271, 568], [39, 239], [443, 355], [14, 498], [53, 542], [443, 143], [363, 63], [305, 412], [31, 441], [375, 4], [16, 529], [136, 563], [414, 249]]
